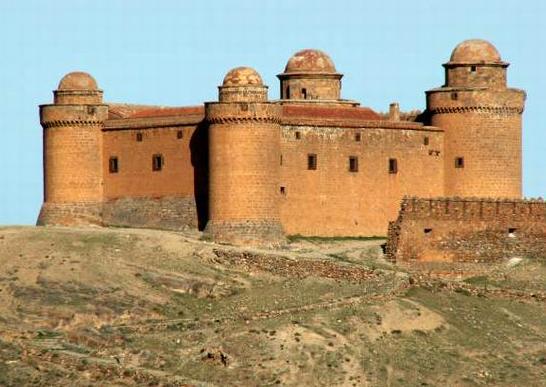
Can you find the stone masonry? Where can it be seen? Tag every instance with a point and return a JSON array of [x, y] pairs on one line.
[[250, 170]]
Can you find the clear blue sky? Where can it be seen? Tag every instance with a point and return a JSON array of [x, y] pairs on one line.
[[177, 52]]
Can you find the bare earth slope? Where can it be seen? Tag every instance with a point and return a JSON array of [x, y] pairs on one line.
[[139, 307]]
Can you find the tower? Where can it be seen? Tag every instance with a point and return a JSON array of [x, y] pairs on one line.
[[481, 117], [310, 75], [73, 182], [244, 153]]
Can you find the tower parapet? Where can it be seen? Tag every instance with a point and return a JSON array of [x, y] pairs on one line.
[[244, 152], [481, 117], [73, 165]]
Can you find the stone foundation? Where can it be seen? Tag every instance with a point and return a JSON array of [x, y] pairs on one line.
[[70, 214], [166, 213], [251, 232]]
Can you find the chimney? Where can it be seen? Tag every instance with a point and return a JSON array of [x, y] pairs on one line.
[[394, 112]]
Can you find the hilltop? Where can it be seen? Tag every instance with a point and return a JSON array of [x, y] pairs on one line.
[[94, 306]]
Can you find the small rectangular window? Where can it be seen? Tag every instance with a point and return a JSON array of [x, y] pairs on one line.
[[426, 140], [298, 135], [357, 137], [113, 165], [280, 160], [304, 93], [353, 164], [283, 191], [311, 161], [459, 162], [179, 134], [454, 96], [473, 69], [157, 162], [139, 137], [393, 166], [427, 230], [287, 92]]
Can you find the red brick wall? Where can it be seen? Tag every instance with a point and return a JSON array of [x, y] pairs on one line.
[[484, 128], [72, 153], [244, 170], [331, 201], [135, 177]]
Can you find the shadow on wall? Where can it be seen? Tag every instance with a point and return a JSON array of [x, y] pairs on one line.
[[199, 160]]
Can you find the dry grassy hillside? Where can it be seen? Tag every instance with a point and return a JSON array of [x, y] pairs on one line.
[[138, 307]]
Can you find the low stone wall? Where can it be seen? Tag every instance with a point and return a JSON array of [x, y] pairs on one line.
[[70, 214], [467, 230], [251, 232], [166, 213]]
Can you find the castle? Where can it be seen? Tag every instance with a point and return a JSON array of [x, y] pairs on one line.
[[249, 170]]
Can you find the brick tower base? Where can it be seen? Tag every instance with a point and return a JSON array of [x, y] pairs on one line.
[[70, 214], [246, 232]]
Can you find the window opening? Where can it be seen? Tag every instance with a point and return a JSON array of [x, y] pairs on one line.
[[353, 164], [459, 162], [113, 165], [311, 161], [157, 162], [393, 166]]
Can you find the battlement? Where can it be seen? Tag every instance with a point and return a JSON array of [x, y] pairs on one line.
[[456, 208], [467, 229]]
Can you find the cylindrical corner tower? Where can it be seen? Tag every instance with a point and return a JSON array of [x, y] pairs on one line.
[[73, 182], [244, 151], [310, 75], [482, 122]]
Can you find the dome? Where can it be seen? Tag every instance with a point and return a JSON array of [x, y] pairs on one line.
[[242, 76], [78, 81], [475, 51], [310, 61]]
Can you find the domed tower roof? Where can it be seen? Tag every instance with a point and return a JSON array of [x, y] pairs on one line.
[[77, 88], [242, 84], [242, 76], [77, 80], [310, 61], [475, 51]]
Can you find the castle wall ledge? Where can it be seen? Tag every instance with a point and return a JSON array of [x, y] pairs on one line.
[[477, 109], [70, 123], [152, 122], [369, 124]]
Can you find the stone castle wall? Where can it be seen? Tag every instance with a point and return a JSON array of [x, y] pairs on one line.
[[244, 171], [135, 176], [470, 230], [333, 201], [165, 213], [483, 129]]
